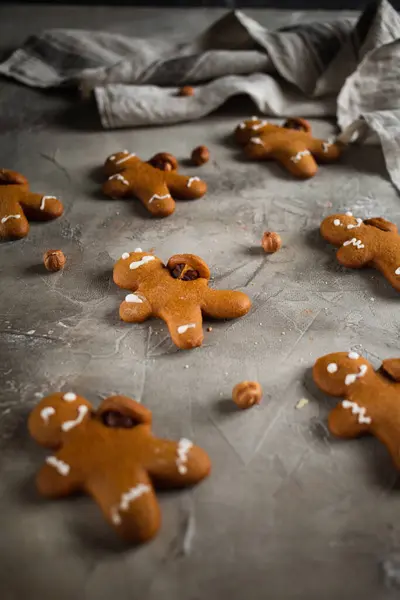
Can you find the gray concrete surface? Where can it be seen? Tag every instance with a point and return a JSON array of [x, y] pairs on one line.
[[289, 512]]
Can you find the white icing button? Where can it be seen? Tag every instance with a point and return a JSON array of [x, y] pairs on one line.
[[133, 298], [332, 368], [69, 397], [125, 255]]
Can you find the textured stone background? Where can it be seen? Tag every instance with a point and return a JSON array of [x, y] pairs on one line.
[[288, 512]]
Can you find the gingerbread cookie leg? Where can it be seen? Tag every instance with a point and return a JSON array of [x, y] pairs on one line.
[[41, 208], [185, 188], [178, 464], [325, 150], [185, 325], [344, 423], [128, 502], [297, 160], [135, 308], [225, 304], [13, 223]]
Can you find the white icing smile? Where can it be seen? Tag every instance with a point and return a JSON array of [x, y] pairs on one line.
[[119, 177], [46, 413], [130, 496], [184, 446], [140, 263], [358, 224], [133, 298], [297, 157], [82, 411], [357, 243], [59, 465], [5, 219], [157, 197], [358, 410], [352, 377], [184, 328], [191, 180]]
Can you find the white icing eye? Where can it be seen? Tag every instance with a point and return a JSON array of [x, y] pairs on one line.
[[70, 397], [112, 157], [138, 250], [337, 222], [353, 355], [332, 368], [397, 271], [125, 255]]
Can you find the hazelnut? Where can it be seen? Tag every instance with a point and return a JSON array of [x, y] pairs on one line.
[[186, 90], [271, 242], [164, 161], [188, 267], [247, 393], [200, 155], [54, 260]]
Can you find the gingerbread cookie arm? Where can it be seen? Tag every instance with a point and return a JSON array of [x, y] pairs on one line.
[[135, 308], [354, 253], [177, 465], [390, 369], [325, 150], [185, 188], [344, 422], [118, 186], [13, 223], [225, 304], [185, 324], [258, 148], [297, 159], [59, 476], [127, 499], [41, 208]]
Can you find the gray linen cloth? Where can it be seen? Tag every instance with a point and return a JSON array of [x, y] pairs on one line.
[[347, 69]]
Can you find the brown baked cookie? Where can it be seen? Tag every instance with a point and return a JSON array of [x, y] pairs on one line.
[[18, 204], [292, 145], [112, 455], [129, 176], [370, 243], [177, 293], [371, 398]]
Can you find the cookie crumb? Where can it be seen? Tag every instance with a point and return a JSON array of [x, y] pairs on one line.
[[186, 90], [186, 366], [302, 403], [31, 331]]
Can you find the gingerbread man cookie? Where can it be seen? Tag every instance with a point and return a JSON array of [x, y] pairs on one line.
[[112, 455], [177, 293], [371, 398], [130, 176], [18, 204], [292, 145], [371, 243]]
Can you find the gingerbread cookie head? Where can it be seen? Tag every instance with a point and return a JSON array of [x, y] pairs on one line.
[[178, 293], [156, 188], [112, 455], [370, 398], [18, 205], [56, 416], [374, 242], [292, 145]]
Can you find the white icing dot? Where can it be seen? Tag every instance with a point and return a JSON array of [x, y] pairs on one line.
[[353, 355], [125, 255], [332, 368], [69, 397], [397, 271], [133, 298], [349, 214], [337, 222]]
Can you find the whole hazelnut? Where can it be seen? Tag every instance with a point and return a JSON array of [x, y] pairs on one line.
[[271, 242], [186, 90], [200, 155], [247, 393], [164, 161], [54, 260]]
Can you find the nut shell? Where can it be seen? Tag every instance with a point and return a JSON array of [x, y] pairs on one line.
[[247, 393], [200, 155], [186, 90], [271, 242], [54, 260], [298, 124], [164, 161]]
